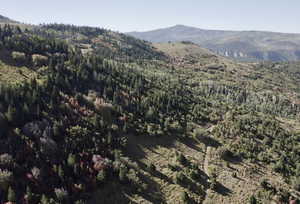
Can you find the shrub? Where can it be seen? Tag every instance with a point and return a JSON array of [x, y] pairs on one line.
[[185, 197], [61, 194]]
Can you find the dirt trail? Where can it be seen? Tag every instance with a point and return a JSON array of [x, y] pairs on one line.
[[206, 163], [206, 168], [208, 155], [206, 160]]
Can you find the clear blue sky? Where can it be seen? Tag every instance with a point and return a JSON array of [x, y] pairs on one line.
[[141, 15]]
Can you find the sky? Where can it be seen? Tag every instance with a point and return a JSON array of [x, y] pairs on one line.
[[143, 15]]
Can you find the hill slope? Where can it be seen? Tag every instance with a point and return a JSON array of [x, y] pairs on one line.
[[241, 45], [130, 122]]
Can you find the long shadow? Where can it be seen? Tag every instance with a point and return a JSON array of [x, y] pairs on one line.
[[153, 198], [223, 190], [191, 144], [116, 193], [136, 146], [234, 159], [162, 176], [191, 185], [155, 173], [209, 141], [113, 194], [136, 143]]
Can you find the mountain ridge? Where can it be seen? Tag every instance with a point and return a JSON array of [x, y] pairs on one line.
[[240, 45], [209, 29], [4, 19]]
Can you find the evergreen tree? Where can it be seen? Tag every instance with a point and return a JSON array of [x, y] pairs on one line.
[[11, 195], [11, 115], [3, 125]]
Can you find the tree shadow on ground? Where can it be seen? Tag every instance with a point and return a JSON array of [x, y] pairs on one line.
[[121, 193], [190, 142], [113, 193], [154, 195], [223, 190], [209, 141], [136, 143], [155, 173], [234, 159], [193, 187]]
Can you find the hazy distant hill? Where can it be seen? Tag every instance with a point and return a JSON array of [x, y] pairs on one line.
[[4, 19], [241, 45]]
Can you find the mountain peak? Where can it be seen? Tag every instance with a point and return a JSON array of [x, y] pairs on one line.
[[240, 45], [184, 27], [180, 26]]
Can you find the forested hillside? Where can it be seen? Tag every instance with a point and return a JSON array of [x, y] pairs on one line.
[[89, 115]]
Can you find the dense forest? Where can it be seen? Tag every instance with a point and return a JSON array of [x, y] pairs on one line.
[[65, 131]]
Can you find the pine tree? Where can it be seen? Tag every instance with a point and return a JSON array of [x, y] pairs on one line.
[[11, 115], [44, 200], [3, 125], [29, 194], [71, 160], [123, 173], [11, 195]]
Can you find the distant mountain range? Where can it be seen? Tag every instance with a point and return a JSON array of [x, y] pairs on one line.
[[4, 19], [240, 45]]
